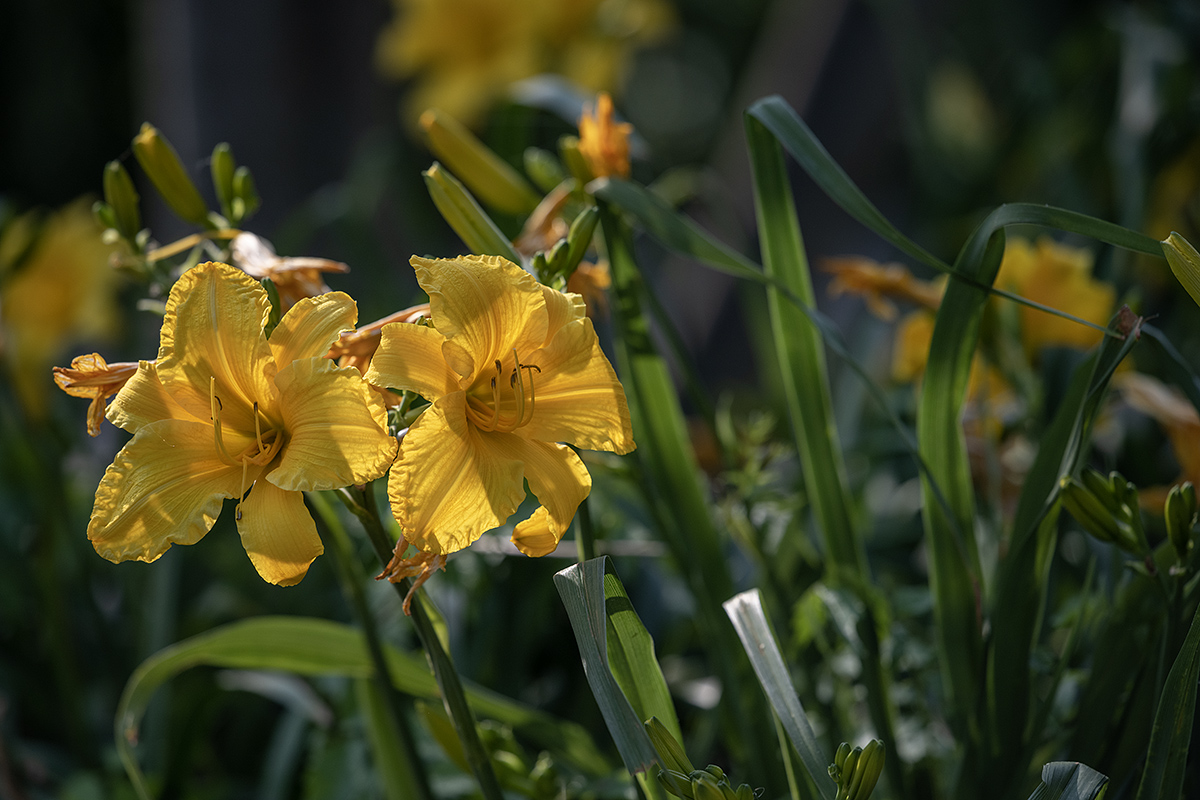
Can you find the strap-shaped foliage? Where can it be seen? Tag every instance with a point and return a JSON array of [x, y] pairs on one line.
[[618, 659], [307, 646]]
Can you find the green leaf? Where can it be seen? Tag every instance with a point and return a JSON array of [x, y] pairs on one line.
[[388, 752], [306, 646], [802, 354], [1069, 780], [584, 590], [1166, 760], [472, 224], [746, 612]]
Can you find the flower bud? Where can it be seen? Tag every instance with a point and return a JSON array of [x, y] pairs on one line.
[[222, 167], [489, 177], [245, 195], [568, 151], [464, 215], [1180, 514], [866, 771], [706, 787], [676, 783], [543, 168], [1185, 263], [123, 199], [579, 238], [161, 163], [670, 751]]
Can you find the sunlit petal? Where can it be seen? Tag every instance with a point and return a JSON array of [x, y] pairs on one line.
[[336, 428], [452, 482], [165, 487], [485, 304], [278, 533], [311, 326], [143, 400], [213, 328], [578, 398], [561, 482], [410, 357]]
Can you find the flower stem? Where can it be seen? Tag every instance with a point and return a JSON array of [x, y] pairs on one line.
[[396, 703], [585, 535], [362, 504]]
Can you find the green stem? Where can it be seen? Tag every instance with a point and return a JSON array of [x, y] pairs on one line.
[[362, 504], [585, 535], [397, 705]]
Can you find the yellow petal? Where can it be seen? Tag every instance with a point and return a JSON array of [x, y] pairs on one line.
[[165, 487], [562, 308], [143, 400], [561, 482], [311, 326], [577, 397], [278, 533], [410, 357], [452, 482], [485, 306], [336, 428], [213, 328]]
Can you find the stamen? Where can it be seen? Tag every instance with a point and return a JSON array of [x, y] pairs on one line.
[[258, 429], [214, 404]]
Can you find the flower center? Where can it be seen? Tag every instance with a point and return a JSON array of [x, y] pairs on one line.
[[266, 445], [489, 417]]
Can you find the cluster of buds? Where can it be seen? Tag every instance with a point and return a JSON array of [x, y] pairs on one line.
[[857, 771], [682, 780], [1107, 508]]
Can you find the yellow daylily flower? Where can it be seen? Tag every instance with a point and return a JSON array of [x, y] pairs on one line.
[[602, 142], [58, 288], [511, 369], [1058, 276], [877, 282], [226, 413], [295, 277], [92, 377], [465, 54]]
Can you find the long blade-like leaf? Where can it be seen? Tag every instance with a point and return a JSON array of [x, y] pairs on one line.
[[1069, 780], [582, 588], [746, 612], [1166, 760], [307, 646]]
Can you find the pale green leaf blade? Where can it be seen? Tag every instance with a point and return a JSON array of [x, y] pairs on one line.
[[1069, 780], [583, 593], [750, 621]]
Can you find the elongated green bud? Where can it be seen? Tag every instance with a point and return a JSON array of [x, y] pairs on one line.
[[839, 758], [669, 750], [464, 215], [489, 177], [104, 215], [866, 771], [1102, 487], [706, 787], [676, 783], [245, 195], [161, 163], [543, 168], [579, 238], [568, 151], [1185, 263], [1087, 509], [222, 168], [1180, 514], [123, 199]]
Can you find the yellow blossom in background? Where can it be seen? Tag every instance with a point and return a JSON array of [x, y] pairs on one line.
[[1058, 276], [604, 144], [876, 282], [511, 368], [294, 277], [1167, 406], [591, 282], [56, 288], [465, 54], [92, 377], [226, 413]]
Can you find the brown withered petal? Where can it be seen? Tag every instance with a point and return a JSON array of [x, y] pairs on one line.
[[92, 377]]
